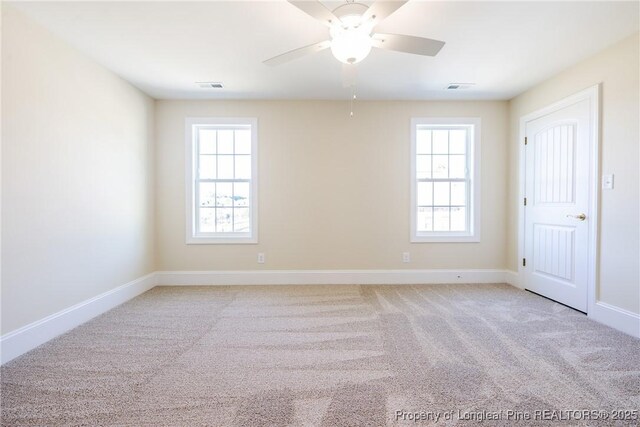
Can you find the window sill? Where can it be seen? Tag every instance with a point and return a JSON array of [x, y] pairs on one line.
[[221, 240], [445, 239]]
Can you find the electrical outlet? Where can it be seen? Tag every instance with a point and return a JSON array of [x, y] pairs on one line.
[[406, 257], [261, 258]]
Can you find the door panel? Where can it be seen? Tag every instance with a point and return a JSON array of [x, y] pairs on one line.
[[554, 161], [557, 190], [554, 251]]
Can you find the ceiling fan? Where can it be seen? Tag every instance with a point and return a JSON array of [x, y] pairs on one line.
[[351, 29]]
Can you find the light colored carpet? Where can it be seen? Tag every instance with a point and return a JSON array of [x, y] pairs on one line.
[[327, 356]]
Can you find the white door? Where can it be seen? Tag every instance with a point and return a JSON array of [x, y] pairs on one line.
[[557, 180]]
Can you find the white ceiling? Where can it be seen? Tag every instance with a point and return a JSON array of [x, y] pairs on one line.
[[502, 47]]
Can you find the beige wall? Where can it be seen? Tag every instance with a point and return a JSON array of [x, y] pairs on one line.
[[77, 176], [334, 190], [618, 70]]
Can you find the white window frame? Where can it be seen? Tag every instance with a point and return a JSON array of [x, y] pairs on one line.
[[191, 155], [473, 162]]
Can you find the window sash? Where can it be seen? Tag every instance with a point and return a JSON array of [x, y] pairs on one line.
[[466, 179], [198, 208], [197, 205], [468, 217]]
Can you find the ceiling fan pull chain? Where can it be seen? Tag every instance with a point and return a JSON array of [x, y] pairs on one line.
[[353, 99]]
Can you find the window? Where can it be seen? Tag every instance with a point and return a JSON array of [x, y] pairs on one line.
[[221, 180], [445, 180]]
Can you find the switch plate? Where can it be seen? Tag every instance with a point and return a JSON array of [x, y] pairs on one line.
[[260, 257], [406, 257], [607, 182]]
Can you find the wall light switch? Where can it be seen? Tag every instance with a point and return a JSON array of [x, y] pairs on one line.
[[261, 258], [607, 182]]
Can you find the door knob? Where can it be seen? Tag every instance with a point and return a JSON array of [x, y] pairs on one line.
[[580, 217]]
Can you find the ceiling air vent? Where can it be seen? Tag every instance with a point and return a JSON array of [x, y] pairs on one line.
[[458, 86], [210, 85]]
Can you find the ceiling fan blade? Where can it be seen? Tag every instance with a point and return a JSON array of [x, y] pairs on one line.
[[349, 75], [298, 53], [316, 10], [381, 9], [408, 44]]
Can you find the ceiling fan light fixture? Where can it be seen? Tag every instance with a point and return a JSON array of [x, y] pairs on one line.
[[350, 45], [352, 37]]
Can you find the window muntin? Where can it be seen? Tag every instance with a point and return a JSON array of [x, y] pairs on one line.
[[223, 191], [443, 180]]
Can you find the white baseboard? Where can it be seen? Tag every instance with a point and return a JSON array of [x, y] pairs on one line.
[[31, 336], [328, 277], [513, 278], [615, 317]]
